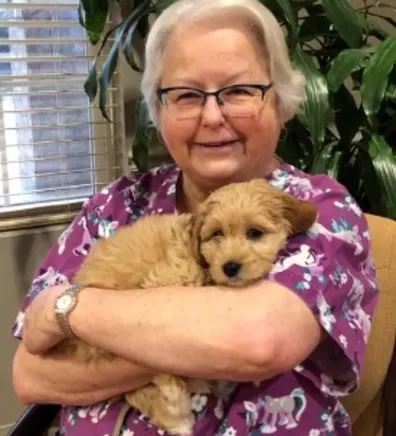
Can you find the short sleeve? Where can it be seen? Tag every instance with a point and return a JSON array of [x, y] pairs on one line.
[[118, 204], [61, 262], [331, 269]]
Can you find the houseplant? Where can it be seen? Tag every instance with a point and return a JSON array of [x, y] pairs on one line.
[[347, 126]]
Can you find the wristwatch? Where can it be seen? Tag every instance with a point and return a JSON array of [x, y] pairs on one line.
[[64, 305]]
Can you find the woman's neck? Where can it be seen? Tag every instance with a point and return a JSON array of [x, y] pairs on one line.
[[189, 195]]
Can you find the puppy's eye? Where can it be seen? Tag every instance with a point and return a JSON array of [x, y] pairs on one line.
[[216, 234], [254, 233]]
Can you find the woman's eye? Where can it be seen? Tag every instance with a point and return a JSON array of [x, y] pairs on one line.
[[217, 234], [254, 233], [239, 91], [188, 96]]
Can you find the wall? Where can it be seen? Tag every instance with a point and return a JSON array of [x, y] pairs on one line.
[[20, 253]]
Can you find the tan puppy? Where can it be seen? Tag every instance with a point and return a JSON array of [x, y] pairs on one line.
[[242, 227], [155, 251], [232, 240]]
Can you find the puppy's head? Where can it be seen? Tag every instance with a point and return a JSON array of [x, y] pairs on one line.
[[240, 228]]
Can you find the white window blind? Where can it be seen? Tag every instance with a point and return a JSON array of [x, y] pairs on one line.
[[55, 147]]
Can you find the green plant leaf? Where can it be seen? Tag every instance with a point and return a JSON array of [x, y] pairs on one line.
[[385, 167], [127, 48], [295, 144], [322, 158], [350, 176], [144, 10], [80, 12], [375, 77], [91, 84], [345, 63], [106, 74], [390, 127], [275, 8], [343, 17], [143, 26], [313, 27], [391, 90], [370, 181], [110, 63], [140, 154], [314, 111], [93, 15], [142, 137], [347, 116], [327, 161], [333, 169], [161, 5], [290, 17]]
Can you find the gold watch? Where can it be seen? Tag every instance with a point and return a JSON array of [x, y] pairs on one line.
[[64, 305]]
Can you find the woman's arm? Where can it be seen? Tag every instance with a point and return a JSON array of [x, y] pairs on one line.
[[237, 334], [55, 381], [50, 380], [215, 333]]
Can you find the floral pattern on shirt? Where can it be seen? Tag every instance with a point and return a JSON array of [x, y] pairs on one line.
[[330, 268]]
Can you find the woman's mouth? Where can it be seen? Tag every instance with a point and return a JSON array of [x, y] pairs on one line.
[[217, 144]]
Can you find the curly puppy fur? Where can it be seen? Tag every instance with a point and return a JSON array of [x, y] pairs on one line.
[[232, 240], [243, 226]]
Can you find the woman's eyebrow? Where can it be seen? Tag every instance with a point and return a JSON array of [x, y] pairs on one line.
[[180, 80]]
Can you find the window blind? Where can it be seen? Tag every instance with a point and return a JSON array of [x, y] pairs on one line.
[[55, 147]]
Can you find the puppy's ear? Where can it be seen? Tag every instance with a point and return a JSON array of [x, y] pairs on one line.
[[194, 232], [300, 214], [196, 222]]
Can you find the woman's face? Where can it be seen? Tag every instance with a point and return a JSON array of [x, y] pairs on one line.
[[214, 149]]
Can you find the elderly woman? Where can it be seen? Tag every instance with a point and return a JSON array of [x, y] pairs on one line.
[[219, 86]]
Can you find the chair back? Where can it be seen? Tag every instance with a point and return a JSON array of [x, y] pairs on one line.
[[368, 406]]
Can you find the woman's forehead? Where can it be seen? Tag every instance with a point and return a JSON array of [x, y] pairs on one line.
[[201, 53]]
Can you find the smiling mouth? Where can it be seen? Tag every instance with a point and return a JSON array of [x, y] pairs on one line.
[[217, 144]]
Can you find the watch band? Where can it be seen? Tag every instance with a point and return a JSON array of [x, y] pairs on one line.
[[64, 305]]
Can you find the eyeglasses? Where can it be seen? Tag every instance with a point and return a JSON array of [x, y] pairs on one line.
[[242, 100]]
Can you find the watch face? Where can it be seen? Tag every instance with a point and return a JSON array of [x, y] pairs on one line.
[[64, 302]]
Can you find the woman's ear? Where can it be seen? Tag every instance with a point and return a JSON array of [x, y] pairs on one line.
[[300, 214]]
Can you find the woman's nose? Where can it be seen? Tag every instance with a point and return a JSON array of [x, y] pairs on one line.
[[212, 114]]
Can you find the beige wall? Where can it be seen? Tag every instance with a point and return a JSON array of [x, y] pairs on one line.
[[20, 253]]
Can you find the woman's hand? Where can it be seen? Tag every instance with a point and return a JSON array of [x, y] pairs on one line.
[[41, 331]]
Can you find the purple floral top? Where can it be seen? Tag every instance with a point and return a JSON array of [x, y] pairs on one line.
[[330, 268]]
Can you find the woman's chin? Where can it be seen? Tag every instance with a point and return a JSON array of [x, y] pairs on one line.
[[218, 170]]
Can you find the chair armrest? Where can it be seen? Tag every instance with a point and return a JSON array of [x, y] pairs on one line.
[[389, 398], [35, 420]]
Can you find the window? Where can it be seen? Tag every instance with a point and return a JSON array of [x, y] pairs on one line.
[[55, 147]]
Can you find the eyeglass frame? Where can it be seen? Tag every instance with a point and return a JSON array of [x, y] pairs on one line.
[[263, 88]]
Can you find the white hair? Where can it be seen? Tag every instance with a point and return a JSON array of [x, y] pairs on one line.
[[289, 84]]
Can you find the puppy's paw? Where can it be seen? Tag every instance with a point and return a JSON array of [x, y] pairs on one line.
[[166, 403], [182, 428], [144, 399]]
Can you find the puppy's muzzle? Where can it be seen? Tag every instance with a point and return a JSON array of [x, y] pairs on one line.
[[231, 268]]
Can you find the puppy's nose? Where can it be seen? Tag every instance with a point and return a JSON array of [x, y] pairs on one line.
[[231, 268]]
